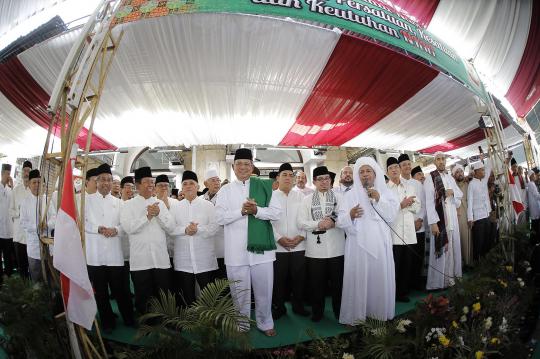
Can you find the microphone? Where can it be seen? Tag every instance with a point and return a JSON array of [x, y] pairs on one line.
[[367, 187]]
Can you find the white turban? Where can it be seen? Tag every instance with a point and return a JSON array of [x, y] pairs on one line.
[[116, 178], [210, 173], [457, 167], [440, 154], [477, 165]]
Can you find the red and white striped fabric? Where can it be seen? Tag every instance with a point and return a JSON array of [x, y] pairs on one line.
[[515, 196], [210, 78], [69, 259]]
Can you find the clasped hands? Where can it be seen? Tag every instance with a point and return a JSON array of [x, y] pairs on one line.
[[192, 228], [326, 223], [290, 243], [152, 210], [249, 207], [107, 232], [407, 201]]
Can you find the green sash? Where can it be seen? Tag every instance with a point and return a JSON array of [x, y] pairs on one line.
[[260, 233]]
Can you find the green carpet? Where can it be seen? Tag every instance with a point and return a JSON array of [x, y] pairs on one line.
[[291, 328]]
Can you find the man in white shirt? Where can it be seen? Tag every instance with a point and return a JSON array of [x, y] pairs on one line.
[[417, 279], [443, 197], [534, 205], [146, 220], [162, 185], [479, 209], [301, 184], [116, 189], [213, 183], [19, 236], [127, 188], [290, 253], [403, 228], [193, 234], [7, 251], [345, 180], [418, 175], [248, 260], [104, 257], [325, 244], [29, 221]]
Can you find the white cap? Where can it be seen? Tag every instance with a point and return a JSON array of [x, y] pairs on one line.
[[210, 173], [457, 167], [439, 154], [477, 165], [116, 178]]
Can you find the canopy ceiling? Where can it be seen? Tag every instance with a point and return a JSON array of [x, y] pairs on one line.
[[227, 78]]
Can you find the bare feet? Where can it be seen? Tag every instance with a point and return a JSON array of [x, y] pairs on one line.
[[270, 333]]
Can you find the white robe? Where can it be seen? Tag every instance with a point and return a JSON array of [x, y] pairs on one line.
[[17, 197], [443, 271], [369, 287]]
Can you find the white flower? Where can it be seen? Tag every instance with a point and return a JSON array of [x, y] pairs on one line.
[[463, 319], [526, 263], [484, 340], [528, 269], [491, 294], [488, 323], [402, 324], [461, 341], [521, 282], [347, 356], [504, 325], [465, 310]]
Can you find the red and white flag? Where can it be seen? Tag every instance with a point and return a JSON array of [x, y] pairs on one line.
[[515, 196], [79, 301]]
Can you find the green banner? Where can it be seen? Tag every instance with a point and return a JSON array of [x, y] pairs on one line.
[[373, 18]]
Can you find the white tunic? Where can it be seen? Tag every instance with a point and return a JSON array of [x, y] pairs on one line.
[[173, 203], [29, 222], [229, 214], [306, 191], [479, 205], [6, 224], [404, 231], [421, 196], [103, 211], [287, 224], [17, 196], [450, 262], [147, 241], [219, 237], [341, 189], [194, 254], [534, 200], [332, 242], [124, 238]]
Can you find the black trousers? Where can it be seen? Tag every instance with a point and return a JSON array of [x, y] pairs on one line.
[[222, 270], [147, 283], [22, 259], [7, 254], [535, 227], [402, 261], [185, 284], [480, 232], [322, 270], [417, 280], [127, 280], [103, 278], [293, 265]]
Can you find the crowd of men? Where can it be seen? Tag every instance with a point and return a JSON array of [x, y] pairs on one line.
[[367, 242]]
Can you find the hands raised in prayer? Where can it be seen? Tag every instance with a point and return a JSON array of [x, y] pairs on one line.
[[356, 212], [407, 201], [191, 229], [249, 207], [107, 232], [152, 211]]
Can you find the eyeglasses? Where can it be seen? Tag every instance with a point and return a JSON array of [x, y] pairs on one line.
[[323, 178]]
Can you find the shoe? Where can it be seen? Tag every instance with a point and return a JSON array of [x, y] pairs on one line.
[[278, 313], [403, 299], [316, 318], [301, 312]]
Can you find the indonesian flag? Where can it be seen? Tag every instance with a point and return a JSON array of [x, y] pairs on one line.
[[79, 301], [515, 196]]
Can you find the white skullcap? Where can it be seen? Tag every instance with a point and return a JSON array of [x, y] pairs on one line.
[[457, 167], [440, 154], [210, 173], [477, 165], [116, 178]]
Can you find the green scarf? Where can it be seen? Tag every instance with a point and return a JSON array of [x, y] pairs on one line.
[[260, 233]]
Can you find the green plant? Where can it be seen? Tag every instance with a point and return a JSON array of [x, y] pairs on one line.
[[207, 328], [383, 339], [27, 318], [327, 347]]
